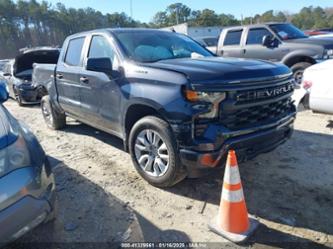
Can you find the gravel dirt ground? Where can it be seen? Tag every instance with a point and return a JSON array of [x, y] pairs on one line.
[[103, 199]]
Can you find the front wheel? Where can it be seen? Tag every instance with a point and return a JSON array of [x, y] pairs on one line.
[[298, 70], [52, 117], [154, 152]]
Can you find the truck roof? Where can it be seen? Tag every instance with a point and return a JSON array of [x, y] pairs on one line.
[[116, 30], [34, 49], [255, 25]]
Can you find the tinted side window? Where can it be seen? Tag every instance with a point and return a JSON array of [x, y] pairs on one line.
[[255, 35], [74, 49], [233, 37], [100, 48]]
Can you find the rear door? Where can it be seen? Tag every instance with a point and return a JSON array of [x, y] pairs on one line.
[[100, 94], [67, 76], [231, 46]]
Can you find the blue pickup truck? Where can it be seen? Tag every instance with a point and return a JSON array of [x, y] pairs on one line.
[[176, 106]]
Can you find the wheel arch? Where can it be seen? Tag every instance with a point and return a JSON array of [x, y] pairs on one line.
[[292, 60], [134, 113]]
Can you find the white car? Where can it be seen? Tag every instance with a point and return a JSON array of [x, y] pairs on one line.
[[318, 79], [300, 96]]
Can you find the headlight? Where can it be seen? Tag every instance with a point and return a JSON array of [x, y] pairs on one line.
[[14, 156], [214, 98]]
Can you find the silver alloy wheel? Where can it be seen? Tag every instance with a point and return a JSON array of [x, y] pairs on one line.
[[152, 153]]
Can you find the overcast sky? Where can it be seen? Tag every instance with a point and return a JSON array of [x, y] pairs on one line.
[[144, 10]]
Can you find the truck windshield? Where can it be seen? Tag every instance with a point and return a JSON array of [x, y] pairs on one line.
[[153, 46], [287, 31]]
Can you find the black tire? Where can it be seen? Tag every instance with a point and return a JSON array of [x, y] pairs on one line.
[[175, 171], [18, 97], [53, 119], [19, 100], [298, 70]]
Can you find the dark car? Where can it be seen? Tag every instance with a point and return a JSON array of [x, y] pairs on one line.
[[18, 74], [27, 195], [277, 42], [176, 106]]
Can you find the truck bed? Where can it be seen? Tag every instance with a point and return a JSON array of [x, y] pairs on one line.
[[43, 75]]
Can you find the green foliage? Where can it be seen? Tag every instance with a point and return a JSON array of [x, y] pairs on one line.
[[33, 23]]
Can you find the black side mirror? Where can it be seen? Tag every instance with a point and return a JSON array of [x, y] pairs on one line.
[[267, 41], [270, 42], [103, 65], [3, 92]]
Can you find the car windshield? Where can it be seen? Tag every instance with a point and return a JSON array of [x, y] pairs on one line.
[[152, 46], [287, 31]]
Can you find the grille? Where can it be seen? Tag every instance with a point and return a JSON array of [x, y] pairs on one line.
[[252, 96], [257, 115]]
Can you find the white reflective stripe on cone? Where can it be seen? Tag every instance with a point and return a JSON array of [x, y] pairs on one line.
[[231, 175], [233, 196]]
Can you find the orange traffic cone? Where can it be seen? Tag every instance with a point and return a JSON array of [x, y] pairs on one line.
[[232, 221]]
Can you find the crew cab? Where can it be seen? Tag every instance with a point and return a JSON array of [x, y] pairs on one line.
[[176, 106], [276, 42], [18, 73]]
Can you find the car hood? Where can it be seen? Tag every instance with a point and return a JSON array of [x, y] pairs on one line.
[[25, 61], [216, 70], [8, 128], [325, 42]]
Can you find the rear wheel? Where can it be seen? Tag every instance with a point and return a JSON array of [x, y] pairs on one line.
[[18, 97], [154, 152], [298, 70], [53, 118]]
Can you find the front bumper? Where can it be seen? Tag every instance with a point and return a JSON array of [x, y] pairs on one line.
[[27, 198], [247, 146]]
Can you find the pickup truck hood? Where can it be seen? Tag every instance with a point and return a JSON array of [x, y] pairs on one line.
[[325, 42], [8, 130], [216, 70]]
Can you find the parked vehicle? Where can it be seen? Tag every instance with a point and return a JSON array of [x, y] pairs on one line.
[[177, 107], [321, 87], [27, 195], [2, 64], [277, 42], [18, 73], [209, 42], [301, 95]]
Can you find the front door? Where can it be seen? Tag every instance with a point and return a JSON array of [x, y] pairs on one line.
[[100, 94], [254, 49]]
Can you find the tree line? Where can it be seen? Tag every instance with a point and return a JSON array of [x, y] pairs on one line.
[[32, 23]]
